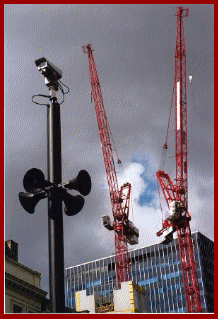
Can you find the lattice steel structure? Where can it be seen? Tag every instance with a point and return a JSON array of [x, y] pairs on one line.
[[124, 231], [176, 194]]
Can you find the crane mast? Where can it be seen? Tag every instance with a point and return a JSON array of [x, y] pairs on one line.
[[124, 231], [176, 195]]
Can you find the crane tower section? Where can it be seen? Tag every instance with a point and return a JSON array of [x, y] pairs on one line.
[[176, 194], [181, 109], [124, 230]]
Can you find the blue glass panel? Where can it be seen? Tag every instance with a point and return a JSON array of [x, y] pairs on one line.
[[148, 281]]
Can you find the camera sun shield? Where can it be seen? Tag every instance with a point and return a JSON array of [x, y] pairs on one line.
[[51, 73]]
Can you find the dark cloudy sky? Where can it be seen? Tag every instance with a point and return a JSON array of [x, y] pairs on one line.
[[134, 54]]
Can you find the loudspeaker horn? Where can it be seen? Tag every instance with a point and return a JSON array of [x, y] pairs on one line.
[[73, 204], [82, 183], [34, 179], [30, 200]]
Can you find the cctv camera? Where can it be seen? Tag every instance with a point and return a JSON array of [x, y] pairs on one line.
[[50, 72]]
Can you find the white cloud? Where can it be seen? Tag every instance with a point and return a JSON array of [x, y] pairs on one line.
[[146, 218]]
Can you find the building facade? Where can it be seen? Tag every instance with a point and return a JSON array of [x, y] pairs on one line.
[[22, 284], [156, 268]]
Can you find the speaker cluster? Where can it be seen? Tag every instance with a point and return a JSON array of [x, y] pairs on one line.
[[37, 188]]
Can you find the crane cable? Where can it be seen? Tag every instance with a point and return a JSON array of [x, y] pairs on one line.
[[125, 175], [131, 207], [192, 88], [161, 209], [118, 159], [165, 146], [164, 153]]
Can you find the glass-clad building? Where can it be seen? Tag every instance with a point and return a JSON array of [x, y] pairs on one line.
[[156, 268]]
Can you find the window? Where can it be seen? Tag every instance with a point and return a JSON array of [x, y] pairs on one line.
[[148, 281], [171, 275], [17, 309]]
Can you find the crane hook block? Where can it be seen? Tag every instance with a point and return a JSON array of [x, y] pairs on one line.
[[165, 146]]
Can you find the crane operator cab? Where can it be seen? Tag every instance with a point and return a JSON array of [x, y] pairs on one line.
[[175, 211], [173, 218]]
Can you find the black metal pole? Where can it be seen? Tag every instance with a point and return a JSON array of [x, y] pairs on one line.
[[55, 216]]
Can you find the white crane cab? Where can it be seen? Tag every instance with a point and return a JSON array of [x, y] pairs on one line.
[[175, 211]]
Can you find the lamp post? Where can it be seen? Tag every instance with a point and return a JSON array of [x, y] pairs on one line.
[[38, 188]]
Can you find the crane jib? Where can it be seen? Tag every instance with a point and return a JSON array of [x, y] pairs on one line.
[[125, 232]]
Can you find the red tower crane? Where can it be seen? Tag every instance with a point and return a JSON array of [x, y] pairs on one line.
[[176, 194], [124, 230]]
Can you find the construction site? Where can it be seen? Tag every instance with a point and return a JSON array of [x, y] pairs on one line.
[[120, 294], [173, 275]]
